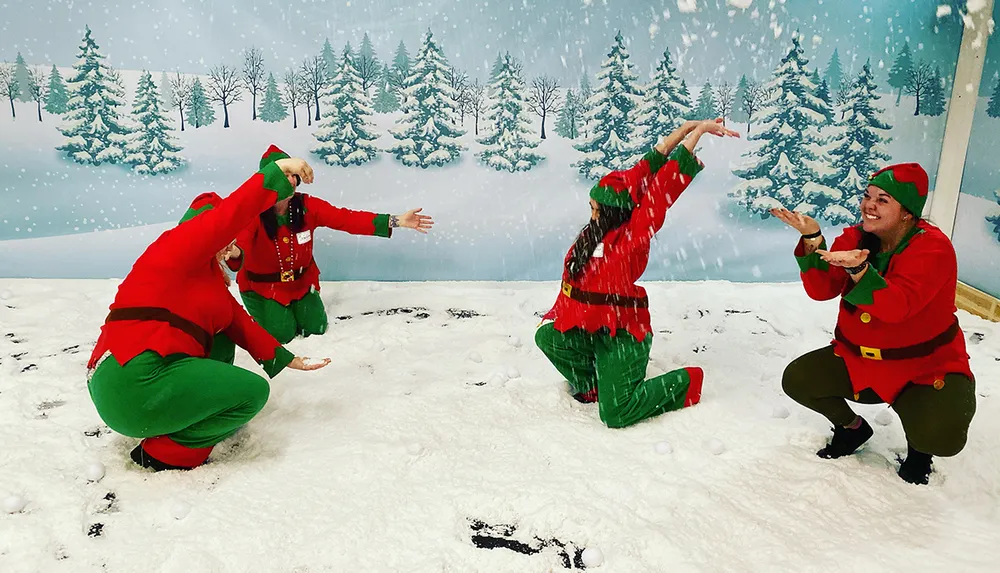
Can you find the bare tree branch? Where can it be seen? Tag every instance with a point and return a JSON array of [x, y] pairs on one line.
[[9, 87], [754, 98], [369, 70], [37, 89], [918, 80], [224, 87], [544, 98], [725, 99], [181, 87], [293, 94], [314, 79], [474, 103], [253, 75]]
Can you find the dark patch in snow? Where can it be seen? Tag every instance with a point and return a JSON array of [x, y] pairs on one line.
[[96, 530], [50, 404], [71, 349], [96, 431], [394, 311], [501, 536], [461, 313], [19, 355], [29, 367], [698, 349], [733, 311], [345, 317]]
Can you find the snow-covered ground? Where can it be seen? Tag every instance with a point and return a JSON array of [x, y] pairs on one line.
[[425, 421], [490, 225]]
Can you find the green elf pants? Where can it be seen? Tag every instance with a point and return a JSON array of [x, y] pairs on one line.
[[617, 366], [935, 421], [196, 402], [304, 316], [223, 349]]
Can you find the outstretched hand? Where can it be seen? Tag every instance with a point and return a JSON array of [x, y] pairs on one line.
[[412, 219], [799, 221], [852, 258], [293, 166], [299, 363], [716, 127]]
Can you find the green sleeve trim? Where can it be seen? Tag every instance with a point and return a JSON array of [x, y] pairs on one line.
[[382, 225], [863, 292], [275, 180], [813, 260], [655, 159], [275, 365], [686, 162]]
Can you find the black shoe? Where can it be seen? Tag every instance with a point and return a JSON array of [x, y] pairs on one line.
[[846, 441], [916, 468], [145, 460]]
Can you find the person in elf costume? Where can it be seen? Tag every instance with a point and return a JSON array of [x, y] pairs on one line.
[[897, 339], [598, 333], [150, 375], [276, 273]]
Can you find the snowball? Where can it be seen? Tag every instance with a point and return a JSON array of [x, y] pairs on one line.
[[883, 418], [514, 341], [687, 5], [95, 471], [14, 503], [475, 356], [715, 447], [663, 448], [513, 373], [414, 449], [779, 412], [740, 3], [180, 509], [592, 557], [943, 10], [312, 361]]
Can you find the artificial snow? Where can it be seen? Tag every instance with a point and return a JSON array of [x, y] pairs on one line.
[[592, 557], [779, 411], [663, 448], [325, 478], [884, 417], [974, 6], [943, 10], [95, 471], [14, 504], [740, 3], [687, 6]]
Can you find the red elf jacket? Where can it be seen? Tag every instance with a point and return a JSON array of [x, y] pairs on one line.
[[654, 183], [179, 289], [905, 299], [282, 269]]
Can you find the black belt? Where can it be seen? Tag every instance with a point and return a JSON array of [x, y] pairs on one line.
[[603, 298], [201, 335], [282, 277], [918, 350]]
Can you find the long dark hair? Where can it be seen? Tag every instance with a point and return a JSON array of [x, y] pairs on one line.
[[608, 219], [874, 245], [296, 217]]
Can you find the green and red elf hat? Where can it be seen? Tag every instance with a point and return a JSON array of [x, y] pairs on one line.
[[617, 189], [906, 183], [271, 155], [201, 203]]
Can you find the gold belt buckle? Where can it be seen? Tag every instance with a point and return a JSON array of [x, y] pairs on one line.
[[567, 288], [871, 353], [287, 276]]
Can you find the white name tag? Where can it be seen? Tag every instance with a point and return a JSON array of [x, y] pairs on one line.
[[303, 237], [599, 251]]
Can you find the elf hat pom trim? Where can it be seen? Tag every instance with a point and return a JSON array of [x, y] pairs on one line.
[[906, 183], [201, 203], [272, 154], [614, 190]]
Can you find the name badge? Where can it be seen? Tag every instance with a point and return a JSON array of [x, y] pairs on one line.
[[599, 251], [303, 237]]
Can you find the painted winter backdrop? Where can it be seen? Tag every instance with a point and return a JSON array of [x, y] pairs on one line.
[[977, 223], [501, 152]]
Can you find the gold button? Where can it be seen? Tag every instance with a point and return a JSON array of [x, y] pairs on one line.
[[856, 396], [288, 259], [284, 239], [866, 318], [938, 384]]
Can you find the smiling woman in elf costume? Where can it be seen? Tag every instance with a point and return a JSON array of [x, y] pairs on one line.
[[276, 272], [598, 333], [151, 376], [897, 339]]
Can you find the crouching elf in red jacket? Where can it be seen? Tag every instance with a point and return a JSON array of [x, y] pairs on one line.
[[151, 376], [897, 339], [598, 333], [276, 272]]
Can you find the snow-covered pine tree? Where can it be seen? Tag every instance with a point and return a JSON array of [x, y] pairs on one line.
[[272, 108], [151, 148], [740, 114], [778, 170], [611, 117], [995, 219], [427, 134], [826, 101], [22, 77], [663, 108], [508, 146], [497, 66], [993, 109], [933, 103], [857, 150], [345, 135], [385, 98], [706, 108], [166, 92], [92, 124], [199, 110], [583, 102], [899, 73], [568, 122], [329, 58], [57, 97], [834, 73]]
